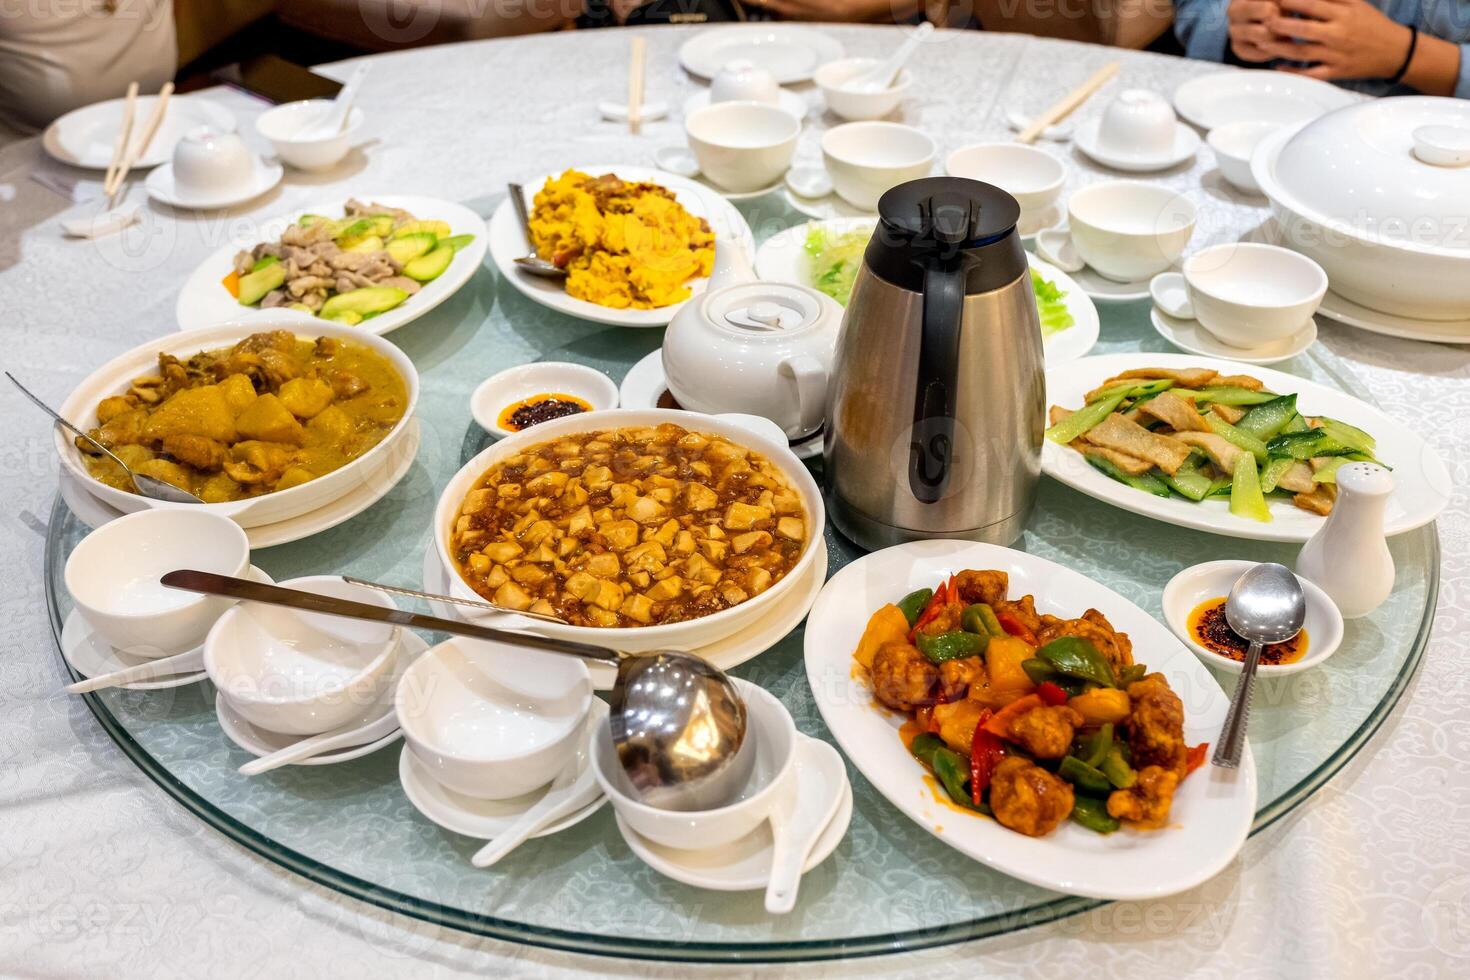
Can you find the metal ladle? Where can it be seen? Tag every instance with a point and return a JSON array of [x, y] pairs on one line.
[[1266, 605], [677, 721], [146, 486], [531, 262]]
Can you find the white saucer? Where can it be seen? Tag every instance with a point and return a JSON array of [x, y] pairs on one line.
[[161, 187], [86, 137], [618, 111], [787, 100], [645, 384], [1335, 307], [725, 654], [91, 656], [260, 742], [1186, 142], [744, 865], [1088, 279], [680, 160], [375, 486], [484, 819], [816, 198], [1190, 337]]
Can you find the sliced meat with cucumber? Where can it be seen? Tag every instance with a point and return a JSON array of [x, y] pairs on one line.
[[254, 285]]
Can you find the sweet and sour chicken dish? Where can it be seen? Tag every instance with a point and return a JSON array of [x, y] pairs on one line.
[[1028, 718]]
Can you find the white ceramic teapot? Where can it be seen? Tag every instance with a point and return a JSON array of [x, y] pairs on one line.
[[761, 348]]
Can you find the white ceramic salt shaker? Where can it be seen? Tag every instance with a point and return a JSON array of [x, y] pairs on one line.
[[1348, 557]]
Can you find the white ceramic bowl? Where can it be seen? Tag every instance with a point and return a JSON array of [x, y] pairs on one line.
[[1032, 176], [1248, 294], [113, 573], [685, 635], [281, 126], [490, 720], [742, 146], [741, 80], [1127, 230], [208, 161], [1213, 579], [768, 724], [1234, 143], [302, 673], [499, 391], [853, 103], [1138, 122], [864, 159], [114, 377]]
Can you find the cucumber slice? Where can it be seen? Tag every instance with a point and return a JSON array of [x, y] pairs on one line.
[[1135, 389], [363, 302], [350, 317], [254, 285], [354, 231], [404, 250], [371, 243], [1266, 420], [1328, 472], [264, 261], [1084, 418], [1350, 436], [1146, 482], [1237, 437], [1233, 396], [1305, 445], [431, 265], [301, 307], [439, 229], [1273, 471], [1246, 499], [307, 220], [1193, 485], [458, 242], [1295, 424]]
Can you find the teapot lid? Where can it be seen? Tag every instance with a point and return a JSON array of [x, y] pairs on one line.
[[941, 218]]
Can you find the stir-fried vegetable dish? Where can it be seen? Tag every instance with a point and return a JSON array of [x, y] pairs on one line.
[[1028, 718], [1198, 434]]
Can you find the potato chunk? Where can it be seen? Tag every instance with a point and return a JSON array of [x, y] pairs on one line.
[[306, 398], [199, 411], [268, 420]]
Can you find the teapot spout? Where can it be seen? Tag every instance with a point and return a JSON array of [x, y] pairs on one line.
[[732, 265]]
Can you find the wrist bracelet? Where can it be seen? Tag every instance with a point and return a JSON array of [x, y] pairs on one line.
[[1398, 76]]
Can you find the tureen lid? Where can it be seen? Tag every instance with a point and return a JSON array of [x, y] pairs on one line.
[[1395, 168]]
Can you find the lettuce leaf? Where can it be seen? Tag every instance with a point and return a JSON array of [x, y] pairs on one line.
[[1051, 305], [835, 259]]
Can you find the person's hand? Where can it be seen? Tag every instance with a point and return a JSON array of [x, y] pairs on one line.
[[1339, 38], [1249, 22]]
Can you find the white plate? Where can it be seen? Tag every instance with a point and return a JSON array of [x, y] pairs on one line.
[[1222, 97], [783, 258], [92, 656], [508, 242], [262, 742], [787, 100], [1189, 336], [484, 819], [726, 654], [204, 301], [161, 187], [790, 54], [744, 865], [86, 137], [374, 487], [1186, 142], [1421, 482], [1334, 307], [1212, 810]]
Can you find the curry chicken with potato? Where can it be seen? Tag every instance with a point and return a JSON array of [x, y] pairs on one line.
[[629, 527], [272, 412], [1029, 718]]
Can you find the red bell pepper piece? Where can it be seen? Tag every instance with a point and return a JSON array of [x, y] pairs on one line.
[[986, 751], [1196, 757], [944, 594], [1015, 627], [999, 724], [1051, 693]]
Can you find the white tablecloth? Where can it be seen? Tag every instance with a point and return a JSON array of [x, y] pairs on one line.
[[100, 872]]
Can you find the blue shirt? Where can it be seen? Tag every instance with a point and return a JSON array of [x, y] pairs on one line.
[[1202, 28]]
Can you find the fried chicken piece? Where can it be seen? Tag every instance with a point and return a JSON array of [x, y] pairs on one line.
[[982, 586], [903, 678], [1095, 629], [1046, 732], [254, 461], [946, 619], [207, 455], [956, 676], [1028, 799], [1023, 610], [277, 340], [1148, 800], [1155, 726]]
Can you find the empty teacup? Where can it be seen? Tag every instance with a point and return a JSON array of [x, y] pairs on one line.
[[209, 162], [1246, 294], [1129, 231], [742, 146], [1137, 123], [864, 159]]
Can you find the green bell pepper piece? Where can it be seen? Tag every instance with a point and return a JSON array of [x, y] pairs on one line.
[[924, 746], [913, 604], [1116, 768], [1075, 657], [1087, 778], [948, 766], [1097, 746], [980, 619], [1092, 813], [1131, 674], [955, 645]]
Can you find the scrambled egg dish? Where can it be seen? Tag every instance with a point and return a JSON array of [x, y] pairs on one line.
[[624, 245]]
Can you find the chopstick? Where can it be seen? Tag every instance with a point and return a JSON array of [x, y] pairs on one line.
[[635, 85], [124, 132], [138, 149], [1065, 107]]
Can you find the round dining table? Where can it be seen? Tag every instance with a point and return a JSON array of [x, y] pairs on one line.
[[102, 873]]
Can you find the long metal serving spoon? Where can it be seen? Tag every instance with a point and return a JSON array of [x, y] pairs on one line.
[[1266, 605], [678, 723], [436, 597], [146, 485], [531, 262]]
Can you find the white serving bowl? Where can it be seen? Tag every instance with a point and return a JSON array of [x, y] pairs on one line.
[[855, 103], [302, 673], [1032, 176], [742, 146], [864, 159], [499, 391], [1213, 579], [686, 635], [491, 720], [1234, 144], [281, 126], [1127, 230], [773, 737], [1349, 190], [113, 573], [1248, 294], [208, 161], [114, 377]]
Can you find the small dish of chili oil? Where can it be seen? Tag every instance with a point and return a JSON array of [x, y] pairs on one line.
[[524, 396], [1209, 628], [540, 408]]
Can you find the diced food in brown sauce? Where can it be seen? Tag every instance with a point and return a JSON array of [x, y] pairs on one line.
[[629, 527]]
